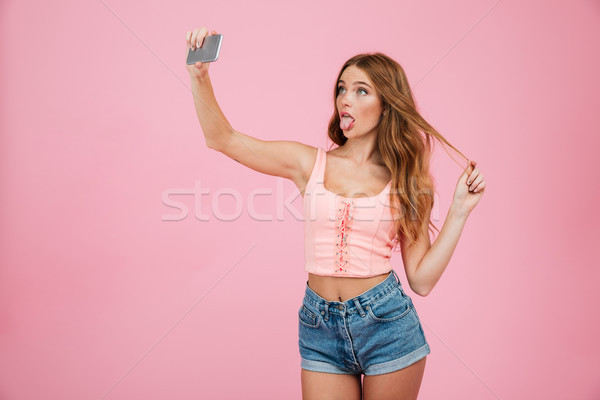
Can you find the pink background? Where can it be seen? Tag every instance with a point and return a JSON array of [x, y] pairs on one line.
[[107, 292]]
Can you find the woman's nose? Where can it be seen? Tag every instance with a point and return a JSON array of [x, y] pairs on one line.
[[345, 99]]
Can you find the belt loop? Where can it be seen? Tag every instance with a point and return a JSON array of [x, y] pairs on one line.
[[359, 307], [397, 278], [326, 316]]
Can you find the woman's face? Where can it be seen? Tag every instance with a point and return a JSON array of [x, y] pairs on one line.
[[357, 98]]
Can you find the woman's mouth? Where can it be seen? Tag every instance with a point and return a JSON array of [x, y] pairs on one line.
[[346, 121]]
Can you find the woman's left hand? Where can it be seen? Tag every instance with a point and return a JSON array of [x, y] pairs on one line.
[[469, 189]]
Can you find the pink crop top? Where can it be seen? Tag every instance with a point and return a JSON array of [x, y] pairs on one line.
[[345, 236]]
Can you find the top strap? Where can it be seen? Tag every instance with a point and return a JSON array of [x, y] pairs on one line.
[[318, 172], [321, 160]]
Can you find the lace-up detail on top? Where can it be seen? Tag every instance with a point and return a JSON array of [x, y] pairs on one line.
[[341, 256]]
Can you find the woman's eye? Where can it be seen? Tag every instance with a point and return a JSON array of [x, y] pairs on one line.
[[340, 89]]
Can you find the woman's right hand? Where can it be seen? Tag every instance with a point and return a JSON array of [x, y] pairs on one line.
[[194, 40]]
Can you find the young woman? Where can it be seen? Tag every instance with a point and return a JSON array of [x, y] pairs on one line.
[[365, 197]]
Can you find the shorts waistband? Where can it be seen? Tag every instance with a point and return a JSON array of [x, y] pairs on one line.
[[356, 304]]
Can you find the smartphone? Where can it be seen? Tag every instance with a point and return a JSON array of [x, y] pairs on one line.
[[209, 51]]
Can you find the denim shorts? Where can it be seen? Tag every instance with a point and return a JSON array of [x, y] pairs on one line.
[[373, 333]]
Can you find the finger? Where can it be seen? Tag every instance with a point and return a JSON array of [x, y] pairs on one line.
[[476, 183], [465, 177], [188, 37], [200, 39], [193, 38], [471, 165], [472, 178], [473, 175], [480, 187]]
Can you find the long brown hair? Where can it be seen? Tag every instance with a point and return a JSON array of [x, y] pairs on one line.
[[404, 140]]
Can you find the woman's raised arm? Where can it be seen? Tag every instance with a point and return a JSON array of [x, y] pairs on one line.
[[215, 126], [287, 159]]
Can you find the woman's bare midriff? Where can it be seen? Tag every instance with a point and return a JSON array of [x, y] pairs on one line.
[[337, 288]]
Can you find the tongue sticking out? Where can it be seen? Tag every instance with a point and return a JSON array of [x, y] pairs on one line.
[[345, 122]]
